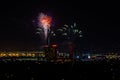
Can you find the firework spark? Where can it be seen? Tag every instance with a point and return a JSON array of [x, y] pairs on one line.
[[44, 21], [70, 32]]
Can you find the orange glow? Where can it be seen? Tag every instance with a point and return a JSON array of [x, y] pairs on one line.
[[45, 20], [54, 45]]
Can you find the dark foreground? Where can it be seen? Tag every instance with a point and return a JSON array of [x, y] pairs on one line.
[[89, 70]]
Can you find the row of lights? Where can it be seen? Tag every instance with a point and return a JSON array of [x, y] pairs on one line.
[[17, 55]]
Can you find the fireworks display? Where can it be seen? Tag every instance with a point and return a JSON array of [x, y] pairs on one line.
[[70, 32], [44, 21], [65, 33]]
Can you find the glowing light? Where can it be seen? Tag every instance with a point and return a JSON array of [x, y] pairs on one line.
[[74, 24], [44, 21], [54, 45], [70, 31], [60, 30], [66, 25], [89, 57], [54, 34], [77, 57], [64, 33]]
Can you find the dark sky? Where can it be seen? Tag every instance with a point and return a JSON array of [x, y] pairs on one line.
[[99, 22]]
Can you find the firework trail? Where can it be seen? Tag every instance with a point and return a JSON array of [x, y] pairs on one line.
[[44, 21]]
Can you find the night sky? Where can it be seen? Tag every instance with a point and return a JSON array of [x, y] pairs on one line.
[[99, 22]]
